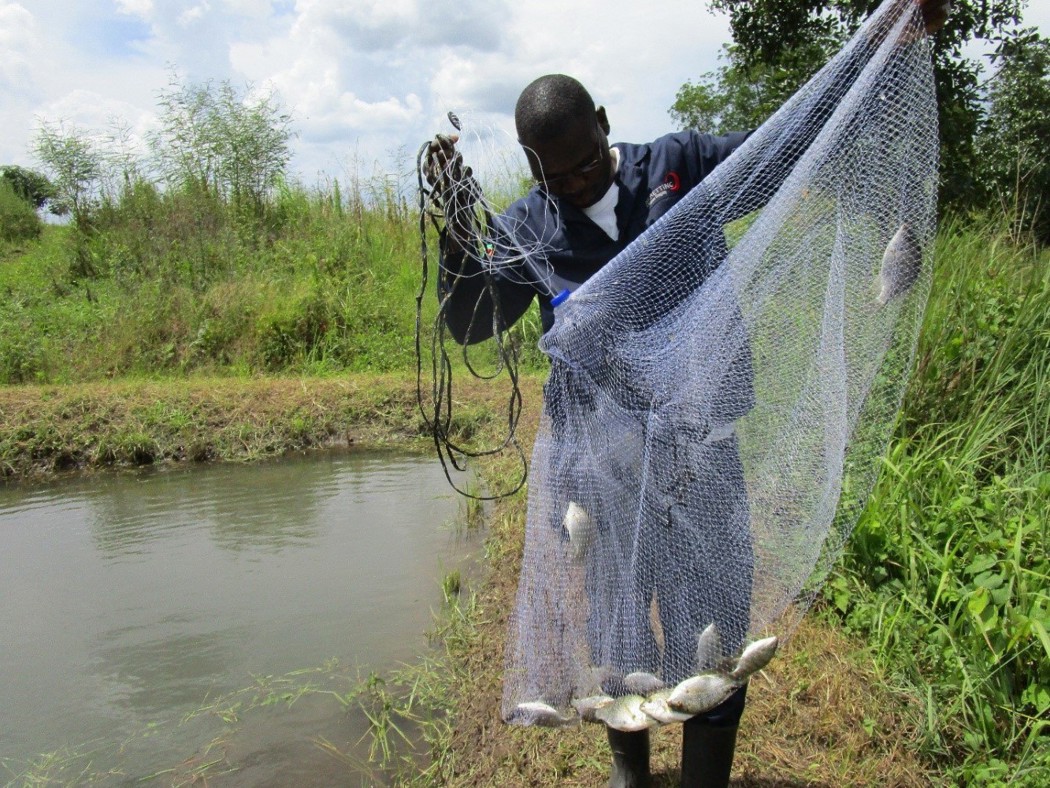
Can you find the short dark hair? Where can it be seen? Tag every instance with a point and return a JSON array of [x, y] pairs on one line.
[[550, 106]]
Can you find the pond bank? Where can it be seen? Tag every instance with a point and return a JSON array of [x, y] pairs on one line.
[[48, 429]]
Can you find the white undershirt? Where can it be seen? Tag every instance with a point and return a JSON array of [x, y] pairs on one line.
[[603, 212]]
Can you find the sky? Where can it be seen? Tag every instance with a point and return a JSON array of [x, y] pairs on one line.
[[366, 81]]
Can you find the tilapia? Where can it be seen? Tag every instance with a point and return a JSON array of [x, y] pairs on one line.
[[901, 264], [701, 693], [708, 648], [625, 714], [588, 707], [580, 527], [539, 713], [755, 657], [642, 683], [660, 710]]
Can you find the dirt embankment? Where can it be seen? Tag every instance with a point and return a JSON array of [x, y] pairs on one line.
[[46, 429]]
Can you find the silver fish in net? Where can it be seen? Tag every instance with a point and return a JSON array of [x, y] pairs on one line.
[[901, 264]]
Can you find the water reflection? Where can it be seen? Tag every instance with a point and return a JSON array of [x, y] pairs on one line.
[[268, 509], [131, 599]]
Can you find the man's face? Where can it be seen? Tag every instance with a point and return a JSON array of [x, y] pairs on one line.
[[576, 167]]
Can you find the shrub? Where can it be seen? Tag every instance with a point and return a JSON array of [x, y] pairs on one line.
[[18, 219]]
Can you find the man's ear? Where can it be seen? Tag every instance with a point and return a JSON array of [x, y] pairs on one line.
[[603, 120]]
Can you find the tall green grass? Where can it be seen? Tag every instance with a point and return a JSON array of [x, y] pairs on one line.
[[948, 571], [170, 282]]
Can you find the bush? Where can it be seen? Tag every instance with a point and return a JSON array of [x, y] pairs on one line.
[[18, 219]]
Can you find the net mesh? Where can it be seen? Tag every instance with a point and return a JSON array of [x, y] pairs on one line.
[[716, 411]]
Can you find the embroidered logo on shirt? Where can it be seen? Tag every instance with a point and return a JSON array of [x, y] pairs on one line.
[[671, 184]]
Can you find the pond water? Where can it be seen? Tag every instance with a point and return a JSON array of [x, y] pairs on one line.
[[135, 609]]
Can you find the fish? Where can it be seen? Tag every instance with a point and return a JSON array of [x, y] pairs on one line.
[[755, 657], [625, 714], [708, 647], [539, 713], [588, 707], [657, 707], [642, 683], [901, 264], [701, 693], [580, 527]]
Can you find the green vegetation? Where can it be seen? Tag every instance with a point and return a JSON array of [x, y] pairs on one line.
[[168, 283], [31, 186], [18, 219], [948, 572], [173, 282], [991, 130]]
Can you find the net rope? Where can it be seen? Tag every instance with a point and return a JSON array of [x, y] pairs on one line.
[[716, 412], [455, 198]]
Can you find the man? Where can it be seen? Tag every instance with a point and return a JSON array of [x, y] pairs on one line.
[[592, 199]]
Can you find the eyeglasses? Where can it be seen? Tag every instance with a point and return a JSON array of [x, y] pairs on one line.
[[581, 171]]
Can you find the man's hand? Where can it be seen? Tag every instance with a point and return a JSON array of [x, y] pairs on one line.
[[934, 14], [455, 190], [443, 161]]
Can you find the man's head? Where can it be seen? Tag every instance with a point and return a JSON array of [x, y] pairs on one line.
[[565, 139]]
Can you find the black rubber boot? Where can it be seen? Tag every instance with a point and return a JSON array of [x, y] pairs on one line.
[[707, 754], [630, 752]]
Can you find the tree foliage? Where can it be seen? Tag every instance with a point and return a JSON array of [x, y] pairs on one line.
[[32, 186], [215, 138], [1013, 139], [779, 44], [75, 163], [734, 97]]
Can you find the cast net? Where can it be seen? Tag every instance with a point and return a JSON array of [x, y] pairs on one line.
[[716, 411]]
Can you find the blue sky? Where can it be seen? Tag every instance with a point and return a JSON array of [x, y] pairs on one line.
[[367, 81]]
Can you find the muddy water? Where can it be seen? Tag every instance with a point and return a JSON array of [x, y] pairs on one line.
[[135, 610]]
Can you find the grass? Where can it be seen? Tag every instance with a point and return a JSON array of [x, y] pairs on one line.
[[948, 572], [174, 283]]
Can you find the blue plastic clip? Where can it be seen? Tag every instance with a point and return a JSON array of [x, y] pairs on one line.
[[559, 299]]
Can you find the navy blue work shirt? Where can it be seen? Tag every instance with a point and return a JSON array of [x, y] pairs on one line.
[[652, 178]]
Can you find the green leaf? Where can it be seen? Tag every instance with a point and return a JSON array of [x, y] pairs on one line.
[[1037, 696], [989, 580], [981, 564], [978, 601], [1041, 633]]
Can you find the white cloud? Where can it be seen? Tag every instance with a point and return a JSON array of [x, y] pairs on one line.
[[139, 8], [194, 14], [88, 109], [20, 48], [365, 26]]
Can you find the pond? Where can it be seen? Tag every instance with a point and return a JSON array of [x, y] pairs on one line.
[[138, 607]]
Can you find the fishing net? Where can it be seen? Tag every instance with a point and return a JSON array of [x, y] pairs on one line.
[[715, 416], [719, 399]]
